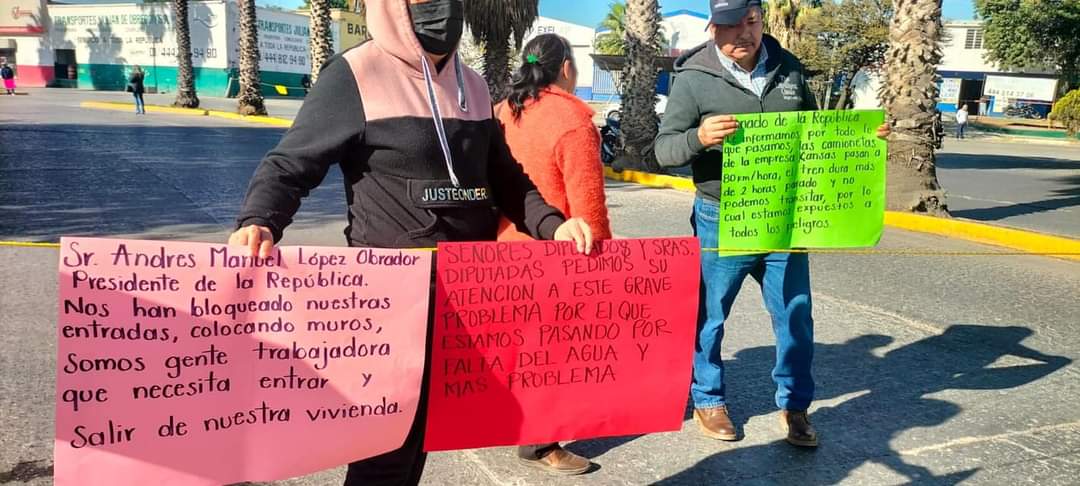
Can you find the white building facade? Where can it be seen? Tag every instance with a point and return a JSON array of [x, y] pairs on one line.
[[96, 45], [968, 78], [684, 30], [581, 40]]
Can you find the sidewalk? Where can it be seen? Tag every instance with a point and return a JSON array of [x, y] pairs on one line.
[[1016, 122], [285, 108], [985, 128]]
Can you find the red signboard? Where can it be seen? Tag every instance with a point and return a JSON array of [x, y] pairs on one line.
[[534, 342]]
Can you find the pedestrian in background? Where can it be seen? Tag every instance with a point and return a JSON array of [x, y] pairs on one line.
[[8, 74], [135, 87], [961, 120], [551, 134]]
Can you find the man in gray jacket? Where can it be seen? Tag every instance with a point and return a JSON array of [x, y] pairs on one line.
[[740, 71]]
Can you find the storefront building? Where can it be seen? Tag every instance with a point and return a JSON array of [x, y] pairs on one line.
[[95, 46]]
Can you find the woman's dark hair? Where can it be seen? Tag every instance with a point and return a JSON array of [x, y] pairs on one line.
[[541, 60]]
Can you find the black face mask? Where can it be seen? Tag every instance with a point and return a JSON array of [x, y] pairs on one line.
[[438, 24]]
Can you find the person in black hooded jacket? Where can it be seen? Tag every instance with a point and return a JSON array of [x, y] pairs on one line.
[[424, 161]]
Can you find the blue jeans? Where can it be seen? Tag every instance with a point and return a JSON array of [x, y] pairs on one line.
[[785, 287], [140, 106], [960, 130]]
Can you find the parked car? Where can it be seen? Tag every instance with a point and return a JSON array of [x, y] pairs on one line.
[[1022, 111]]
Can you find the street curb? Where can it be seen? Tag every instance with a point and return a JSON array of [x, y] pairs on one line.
[[651, 180], [119, 106], [266, 120], [1028, 241], [1021, 132], [123, 106], [1022, 240]]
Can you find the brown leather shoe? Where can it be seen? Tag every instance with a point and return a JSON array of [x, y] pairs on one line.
[[559, 461], [715, 423], [799, 430]]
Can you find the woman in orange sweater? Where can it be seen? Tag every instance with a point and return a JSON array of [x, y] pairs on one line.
[[551, 134]]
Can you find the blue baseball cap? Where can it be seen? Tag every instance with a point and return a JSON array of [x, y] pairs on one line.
[[730, 12]]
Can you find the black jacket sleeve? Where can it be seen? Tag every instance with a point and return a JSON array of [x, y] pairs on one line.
[[330, 121], [515, 194]]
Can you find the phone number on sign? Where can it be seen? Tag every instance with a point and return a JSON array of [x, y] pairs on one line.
[[290, 59], [196, 52]]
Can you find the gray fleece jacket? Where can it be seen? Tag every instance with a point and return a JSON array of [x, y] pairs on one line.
[[703, 88]]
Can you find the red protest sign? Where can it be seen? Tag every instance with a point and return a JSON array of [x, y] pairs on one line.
[[535, 343]]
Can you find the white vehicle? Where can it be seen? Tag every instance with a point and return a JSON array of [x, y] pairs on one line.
[[614, 110]]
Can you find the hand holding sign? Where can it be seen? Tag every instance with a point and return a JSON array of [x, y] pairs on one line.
[[715, 129], [257, 238], [578, 231], [884, 131]]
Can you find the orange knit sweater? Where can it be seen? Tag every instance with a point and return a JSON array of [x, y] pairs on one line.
[[559, 147]]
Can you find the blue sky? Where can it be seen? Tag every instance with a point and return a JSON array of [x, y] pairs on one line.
[[591, 12]]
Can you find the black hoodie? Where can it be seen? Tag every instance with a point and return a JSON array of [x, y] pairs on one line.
[[423, 159]]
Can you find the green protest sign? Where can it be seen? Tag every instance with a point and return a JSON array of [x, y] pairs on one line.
[[806, 179]]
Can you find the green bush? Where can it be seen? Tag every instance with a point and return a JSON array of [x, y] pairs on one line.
[[1067, 111]]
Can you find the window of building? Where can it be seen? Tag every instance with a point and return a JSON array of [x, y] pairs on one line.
[[974, 39]]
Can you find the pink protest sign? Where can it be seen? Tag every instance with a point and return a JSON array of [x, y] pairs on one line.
[[535, 343], [191, 363]]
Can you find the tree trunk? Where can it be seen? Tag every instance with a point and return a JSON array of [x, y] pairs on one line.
[[495, 24], [321, 45], [781, 22], [250, 101], [185, 72], [845, 90], [910, 95], [830, 82], [639, 119], [497, 68]]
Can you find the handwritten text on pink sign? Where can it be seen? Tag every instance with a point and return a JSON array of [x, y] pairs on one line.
[[191, 363]]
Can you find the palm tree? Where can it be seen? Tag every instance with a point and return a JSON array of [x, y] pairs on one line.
[[321, 45], [495, 23], [613, 40], [910, 94], [250, 101], [639, 119], [782, 20], [339, 4], [185, 72], [470, 52]]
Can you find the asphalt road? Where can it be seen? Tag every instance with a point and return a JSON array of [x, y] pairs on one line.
[[931, 370], [1013, 182]]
